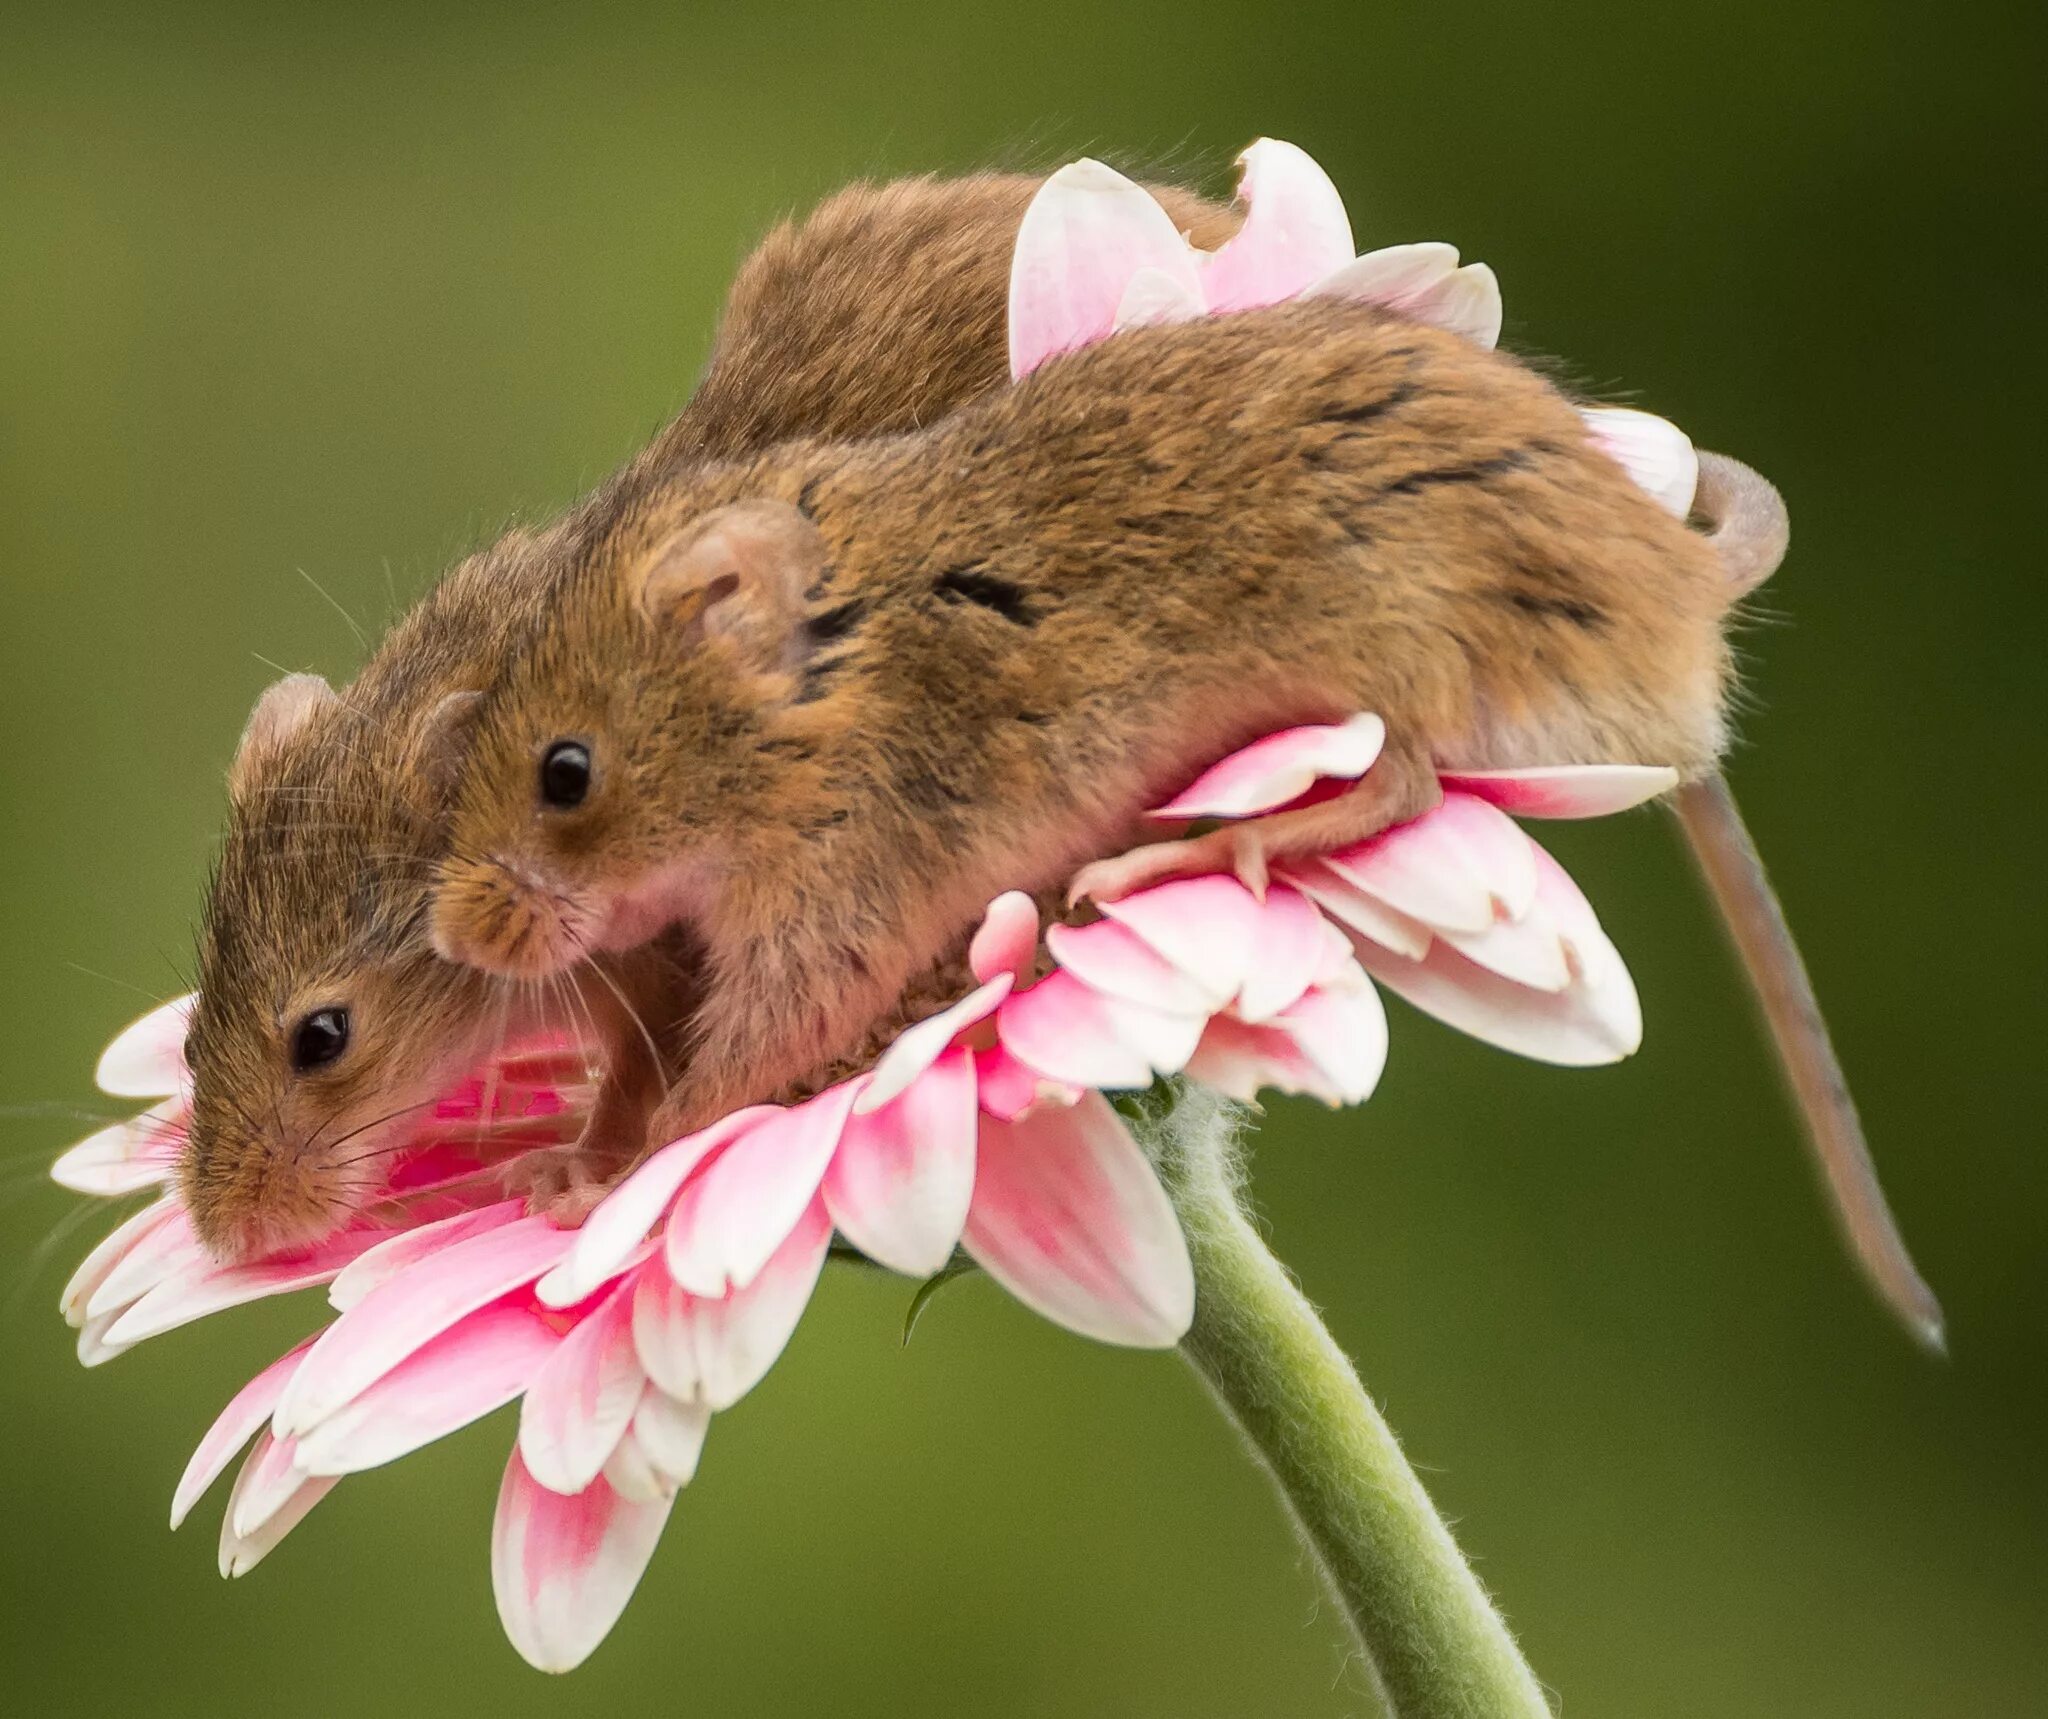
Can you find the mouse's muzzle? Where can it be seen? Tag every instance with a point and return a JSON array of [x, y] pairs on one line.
[[501, 917]]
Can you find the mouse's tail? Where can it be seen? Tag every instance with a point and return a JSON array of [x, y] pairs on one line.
[[1745, 520], [1735, 874]]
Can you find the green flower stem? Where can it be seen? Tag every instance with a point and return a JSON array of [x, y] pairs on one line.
[[1437, 1647]]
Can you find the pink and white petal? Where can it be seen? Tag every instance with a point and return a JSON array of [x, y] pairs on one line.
[[1006, 941], [1008, 1088], [1344, 1032], [1293, 949], [402, 1315], [406, 1248], [916, 1048], [1206, 926], [1295, 231], [612, 1234], [1117, 963], [129, 1156], [1566, 790], [1598, 972], [1165, 1039], [246, 1412], [461, 1376], [1068, 1033], [1088, 231], [147, 1057], [1390, 276], [1468, 302], [132, 1232], [1529, 950], [582, 1399], [630, 1472], [1655, 452], [715, 1350], [208, 1289], [563, 1568], [670, 1435], [1352, 908], [1241, 1061], [167, 1251], [1456, 868], [899, 1186], [93, 1347], [729, 1221], [1070, 1218], [265, 1485], [241, 1553], [1155, 299], [1279, 769]]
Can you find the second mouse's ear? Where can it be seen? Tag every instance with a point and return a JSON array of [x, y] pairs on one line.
[[285, 707], [442, 741], [737, 576]]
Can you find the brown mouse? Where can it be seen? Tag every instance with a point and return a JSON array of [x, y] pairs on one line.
[[324, 1021]]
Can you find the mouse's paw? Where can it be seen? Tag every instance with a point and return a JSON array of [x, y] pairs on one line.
[[560, 1184], [1236, 850]]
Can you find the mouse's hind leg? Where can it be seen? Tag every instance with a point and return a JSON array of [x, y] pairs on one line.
[[1398, 787]]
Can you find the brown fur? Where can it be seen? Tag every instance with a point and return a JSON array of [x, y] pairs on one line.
[[881, 310], [1039, 618]]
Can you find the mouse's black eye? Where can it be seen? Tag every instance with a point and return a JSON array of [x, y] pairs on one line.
[[565, 774], [319, 1039]]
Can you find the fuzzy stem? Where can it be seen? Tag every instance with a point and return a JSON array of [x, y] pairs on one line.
[[1435, 1644]]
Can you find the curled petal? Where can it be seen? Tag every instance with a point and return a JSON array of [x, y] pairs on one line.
[[1070, 1218], [236, 1425], [1528, 950], [129, 1156], [147, 1057], [1086, 234], [1344, 1033], [1156, 298], [241, 1552], [1457, 868], [1467, 302], [1007, 939], [1272, 772], [1295, 231], [899, 1185], [1393, 276], [729, 1221], [918, 1047], [583, 1397], [564, 1568], [1357, 911], [1566, 790], [613, 1233], [1241, 1061], [1656, 453]]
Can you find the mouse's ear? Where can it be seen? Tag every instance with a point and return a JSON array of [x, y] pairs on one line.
[[284, 708], [443, 740], [736, 576]]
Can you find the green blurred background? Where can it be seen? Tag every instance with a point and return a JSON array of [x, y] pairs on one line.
[[337, 291]]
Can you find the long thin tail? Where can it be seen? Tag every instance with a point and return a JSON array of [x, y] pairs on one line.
[[1735, 874]]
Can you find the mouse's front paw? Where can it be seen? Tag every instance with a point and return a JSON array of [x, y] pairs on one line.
[[560, 1183], [1236, 852]]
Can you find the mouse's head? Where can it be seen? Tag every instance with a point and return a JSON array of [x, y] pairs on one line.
[[631, 758]]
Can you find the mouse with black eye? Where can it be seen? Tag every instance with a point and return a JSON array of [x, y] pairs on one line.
[[325, 1025]]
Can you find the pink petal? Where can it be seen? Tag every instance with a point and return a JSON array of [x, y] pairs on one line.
[[1467, 303], [670, 1435], [583, 1397], [1156, 298], [128, 1157], [1456, 868], [630, 1472], [213, 1288], [1393, 276], [237, 1424], [147, 1057], [729, 1221], [1241, 1061], [610, 1236], [917, 1048], [1295, 231], [714, 1350], [1272, 772], [1528, 950], [1070, 1218], [1656, 453], [132, 1232], [1008, 1087], [1293, 949], [240, 1553], [1357, 911], [1566, 790], [166, 1251], [1344, 1032], [1086, 233], [461, 1376], [402, 1315], [899, 1185], [1007, 939], [564, 1568], [1066, 1032], [265, 1485], [1206, 926], [1118, 963], [406, 1248], [93, 1348]]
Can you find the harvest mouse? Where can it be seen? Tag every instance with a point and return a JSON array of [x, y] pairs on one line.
[[324, 1021], [821, 705]]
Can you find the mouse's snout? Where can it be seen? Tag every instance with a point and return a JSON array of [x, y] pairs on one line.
[[503, 918]]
